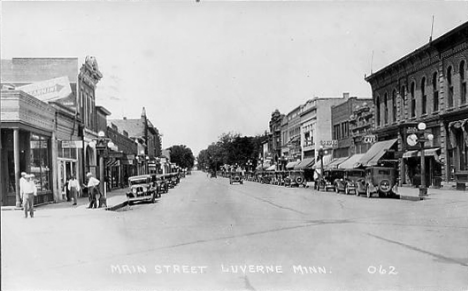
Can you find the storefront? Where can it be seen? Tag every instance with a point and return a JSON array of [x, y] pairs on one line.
[[27, 136]]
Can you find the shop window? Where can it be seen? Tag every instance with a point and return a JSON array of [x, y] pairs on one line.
[[435, 93], [449, 88], [40, 161]]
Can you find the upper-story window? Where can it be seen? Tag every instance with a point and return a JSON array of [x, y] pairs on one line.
[[377, 110], [394, 106], [449, 87], [402, 104], [435, 92], [413, 100], [423, 96], [462, 83], [385, 108]]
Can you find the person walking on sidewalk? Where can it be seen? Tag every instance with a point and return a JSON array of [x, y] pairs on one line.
[[74, 188], [22, 181], [92, 186], [29, 191]]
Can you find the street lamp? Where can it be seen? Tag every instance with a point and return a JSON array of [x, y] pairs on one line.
[[102, 144], [321, 153], [422, 139]]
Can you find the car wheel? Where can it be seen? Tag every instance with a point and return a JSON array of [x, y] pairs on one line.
[[356, 192], [346, 190], [368, 192], [153, 198], [337, 190]]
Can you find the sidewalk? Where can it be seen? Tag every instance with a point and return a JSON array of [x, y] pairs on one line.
[[115, 199], [412, 193]]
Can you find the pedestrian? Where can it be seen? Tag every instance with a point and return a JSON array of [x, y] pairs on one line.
[[74, 188], [67, 189], [29, 191], [22, 180], [92, 186]]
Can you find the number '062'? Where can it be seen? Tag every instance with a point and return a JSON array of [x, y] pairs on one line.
[[381, 270]]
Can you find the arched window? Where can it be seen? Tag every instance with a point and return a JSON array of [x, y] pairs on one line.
[[394, 106], [449, 87], [403, 104], [423, 96], [385, 108], [435, 92], [462, 83], [413, 100], [377, 110]]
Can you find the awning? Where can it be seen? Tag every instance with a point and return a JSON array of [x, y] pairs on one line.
[[417, 153], [335, 163], [349, 163], [305, 163], [271, 168], [291, 165], [373, 155], [326, 160]]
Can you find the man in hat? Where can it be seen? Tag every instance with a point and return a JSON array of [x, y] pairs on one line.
[[29, 191], [93, 184], [22, 181]]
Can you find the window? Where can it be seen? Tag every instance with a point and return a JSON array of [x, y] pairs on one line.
[[377, 111], [435, 93], [462, 83], [402, 104], [423, 96], [394, 106], [413, 100], [336, 132], [449, 87], [385, 109], [40, 163]]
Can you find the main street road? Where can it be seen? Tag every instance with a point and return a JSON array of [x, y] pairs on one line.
[[209, 235]]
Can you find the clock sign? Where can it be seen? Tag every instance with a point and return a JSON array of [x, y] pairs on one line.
[[412, 139]]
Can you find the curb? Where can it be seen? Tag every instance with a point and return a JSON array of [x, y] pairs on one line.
[[411, 198]]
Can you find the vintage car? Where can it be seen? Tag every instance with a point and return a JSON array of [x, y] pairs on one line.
[[328, 180], [350, 182], [236, 177], [378, 180], [142, 188], [297, 178], [162, 185]]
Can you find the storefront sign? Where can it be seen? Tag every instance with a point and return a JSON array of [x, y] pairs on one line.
[[371, 138], [77, 144], [49, 90], [329, 143]]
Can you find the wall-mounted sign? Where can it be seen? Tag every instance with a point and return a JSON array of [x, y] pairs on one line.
[[371, 138], [48, 90], [66, 144], [329, 143]]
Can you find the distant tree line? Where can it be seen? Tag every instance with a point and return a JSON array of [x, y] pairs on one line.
[[231, 149], [182, 156]]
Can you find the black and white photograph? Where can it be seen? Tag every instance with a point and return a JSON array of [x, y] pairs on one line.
[[215, 145]]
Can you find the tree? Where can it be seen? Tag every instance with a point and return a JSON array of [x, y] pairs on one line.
[[182, 156]]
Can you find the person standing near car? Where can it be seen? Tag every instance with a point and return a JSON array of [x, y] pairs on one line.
[[74, 188], [29, 191], [92, 186]]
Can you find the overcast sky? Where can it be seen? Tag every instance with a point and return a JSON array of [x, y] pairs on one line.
[[202, 69]]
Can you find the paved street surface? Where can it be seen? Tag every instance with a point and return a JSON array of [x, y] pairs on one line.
[[206, 234]]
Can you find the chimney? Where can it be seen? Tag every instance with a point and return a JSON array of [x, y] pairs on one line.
[[346, 95]]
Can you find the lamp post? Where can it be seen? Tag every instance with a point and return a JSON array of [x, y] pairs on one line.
[[422, 139], [103, 144]]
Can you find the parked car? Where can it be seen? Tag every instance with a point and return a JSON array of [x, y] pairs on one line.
[[161, 183], [236, 177], [380, 180], [142, 188], [351, 182], [329, 179], [297, 178]]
